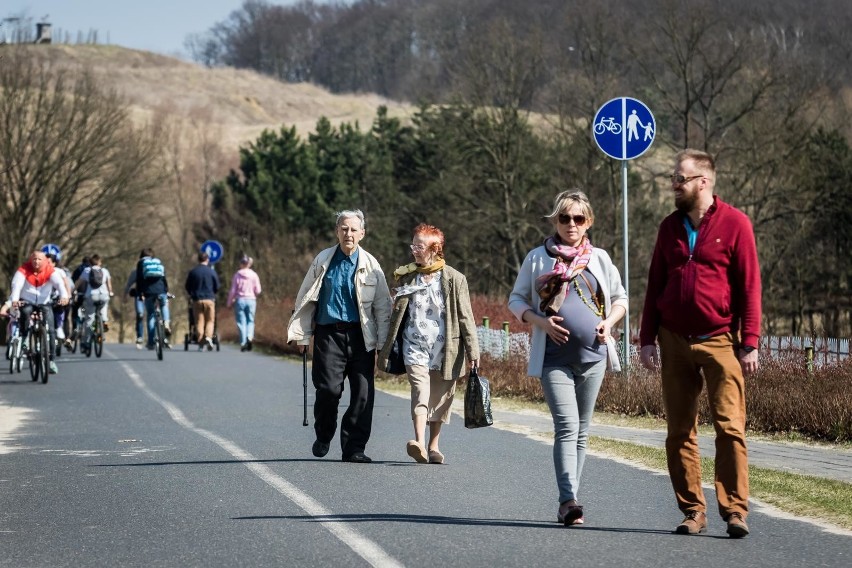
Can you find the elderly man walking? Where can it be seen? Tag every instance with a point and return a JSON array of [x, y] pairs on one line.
[[345, 305]]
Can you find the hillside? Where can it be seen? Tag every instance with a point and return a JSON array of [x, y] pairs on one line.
[[239, 103]]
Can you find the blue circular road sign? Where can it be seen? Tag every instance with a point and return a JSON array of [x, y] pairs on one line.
[[213, 249], [624, 128], [51, 248]]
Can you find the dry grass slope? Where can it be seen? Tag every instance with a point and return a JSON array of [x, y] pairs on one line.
[[242, 103]]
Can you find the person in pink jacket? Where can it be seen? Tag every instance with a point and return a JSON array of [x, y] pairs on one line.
[[245, 286]]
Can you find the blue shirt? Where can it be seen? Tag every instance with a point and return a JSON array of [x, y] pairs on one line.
[[337, 300]]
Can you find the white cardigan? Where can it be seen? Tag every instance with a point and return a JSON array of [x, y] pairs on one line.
[[524, 296]]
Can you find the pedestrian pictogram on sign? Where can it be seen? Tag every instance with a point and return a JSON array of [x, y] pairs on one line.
[[213, 249]]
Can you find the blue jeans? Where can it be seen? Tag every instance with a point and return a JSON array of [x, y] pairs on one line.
[[571, 393], [140, 317], [150, 306], [244, 309]]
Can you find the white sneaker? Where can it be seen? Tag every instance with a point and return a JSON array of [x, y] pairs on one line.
[[139, 342]]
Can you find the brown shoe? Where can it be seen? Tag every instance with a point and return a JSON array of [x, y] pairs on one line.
[[737, 527], [436, 457], [694, 523]]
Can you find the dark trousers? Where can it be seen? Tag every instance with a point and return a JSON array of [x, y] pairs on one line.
[[47, 317], [341, 354]]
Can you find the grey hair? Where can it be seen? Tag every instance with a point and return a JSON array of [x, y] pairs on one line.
[[566, 199], [348, 214]]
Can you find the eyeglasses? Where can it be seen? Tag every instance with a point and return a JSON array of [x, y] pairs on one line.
[[678, 179], [578, 219], [417, 248]]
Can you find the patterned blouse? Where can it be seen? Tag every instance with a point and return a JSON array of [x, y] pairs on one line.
[[424, 338]]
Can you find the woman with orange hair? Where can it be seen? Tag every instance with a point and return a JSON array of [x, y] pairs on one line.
[[432, 313]]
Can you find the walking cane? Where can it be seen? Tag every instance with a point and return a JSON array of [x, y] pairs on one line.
[[305, 385]]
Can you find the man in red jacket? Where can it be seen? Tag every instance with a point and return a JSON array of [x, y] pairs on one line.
[[702, 306]]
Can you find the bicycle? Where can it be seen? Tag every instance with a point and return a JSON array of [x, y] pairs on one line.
[[95, 333], [607, 124], [37, 344], [160, 326], [14, 346], [76, 307]]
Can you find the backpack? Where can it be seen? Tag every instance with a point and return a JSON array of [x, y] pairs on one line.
[[96, 277], [152, 268]]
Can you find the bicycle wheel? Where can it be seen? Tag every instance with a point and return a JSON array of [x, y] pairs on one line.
[[161, 337], [19, 364], [32, 355], [44, 355], [11, 353], [98, 340]]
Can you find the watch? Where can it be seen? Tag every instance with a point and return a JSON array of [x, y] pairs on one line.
[[748, 348]]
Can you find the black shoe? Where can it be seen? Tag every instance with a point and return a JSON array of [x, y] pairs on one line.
[[320, 448], [357, 457], [243, 348], [248, 345]]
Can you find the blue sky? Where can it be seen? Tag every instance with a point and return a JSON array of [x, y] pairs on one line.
[[152, 25]]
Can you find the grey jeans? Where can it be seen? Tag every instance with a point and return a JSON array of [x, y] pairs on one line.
[[571, 393]]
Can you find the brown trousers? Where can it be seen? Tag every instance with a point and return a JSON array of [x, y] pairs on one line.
[[686, 364], [205, 313]]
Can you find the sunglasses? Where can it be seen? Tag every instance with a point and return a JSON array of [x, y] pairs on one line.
[[578, 219], [678, 179]]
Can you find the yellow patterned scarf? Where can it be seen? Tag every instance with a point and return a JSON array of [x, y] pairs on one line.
[[414, 267]]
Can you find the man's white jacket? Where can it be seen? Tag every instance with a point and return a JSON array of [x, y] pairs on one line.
[[371, 292]]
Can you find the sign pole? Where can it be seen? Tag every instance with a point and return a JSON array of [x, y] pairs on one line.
[[623, 128], [625, 341]]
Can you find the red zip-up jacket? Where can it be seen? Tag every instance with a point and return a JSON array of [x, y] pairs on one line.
[[714, 290]]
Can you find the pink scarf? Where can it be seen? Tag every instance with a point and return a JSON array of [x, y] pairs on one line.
[[570, 261]]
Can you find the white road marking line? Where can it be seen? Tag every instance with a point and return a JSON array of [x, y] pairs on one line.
[[362, 546]]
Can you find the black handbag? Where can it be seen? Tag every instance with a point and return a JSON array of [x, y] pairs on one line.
[[477, 401], [396, 364]]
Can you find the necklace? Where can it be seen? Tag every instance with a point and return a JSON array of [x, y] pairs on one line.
[[596, 308]]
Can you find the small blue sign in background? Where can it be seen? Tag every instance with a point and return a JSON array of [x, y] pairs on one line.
[[213, 249], [51, 248], [624, 128]]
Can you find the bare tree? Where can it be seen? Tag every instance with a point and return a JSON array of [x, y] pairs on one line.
[[73, 169]]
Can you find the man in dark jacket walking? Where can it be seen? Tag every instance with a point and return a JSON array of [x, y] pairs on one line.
[[202, 283]]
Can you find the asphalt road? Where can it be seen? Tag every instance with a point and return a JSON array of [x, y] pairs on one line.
[[202, 460]]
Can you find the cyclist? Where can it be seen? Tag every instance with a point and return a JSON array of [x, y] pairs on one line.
[[139, 305], [7, 311], [60, 312], [78, 296], [32, 285], [202, 284], [151, 283], [98, 285]]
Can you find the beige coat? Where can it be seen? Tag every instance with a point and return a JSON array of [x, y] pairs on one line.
[[371, 291], [462, 343]]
